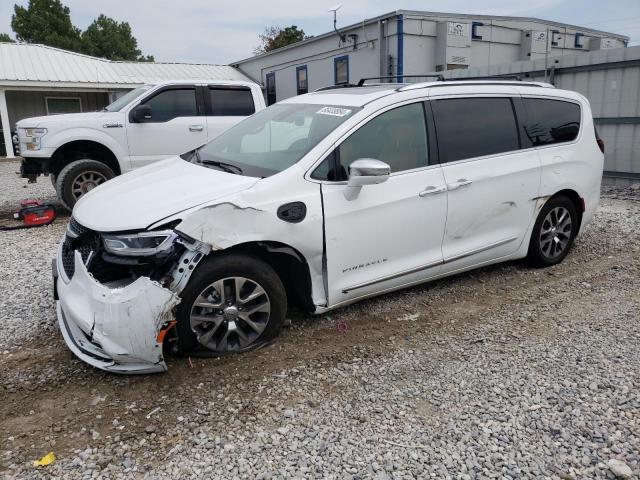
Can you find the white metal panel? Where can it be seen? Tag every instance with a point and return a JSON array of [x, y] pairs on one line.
[[24, 64]]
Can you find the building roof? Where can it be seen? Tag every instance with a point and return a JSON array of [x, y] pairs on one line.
[[442, 15], [32, 65]]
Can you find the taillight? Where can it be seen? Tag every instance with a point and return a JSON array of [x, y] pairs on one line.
[[599, 141]]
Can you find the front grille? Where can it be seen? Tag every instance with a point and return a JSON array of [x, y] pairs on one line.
[[81, 239]]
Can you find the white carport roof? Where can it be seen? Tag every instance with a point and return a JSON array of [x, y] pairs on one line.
[[32, 65]]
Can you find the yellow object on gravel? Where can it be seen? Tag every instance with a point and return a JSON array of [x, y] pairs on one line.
[[48, 459]]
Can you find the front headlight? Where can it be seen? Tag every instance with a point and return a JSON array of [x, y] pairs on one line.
[[138, 244], [32, 137]]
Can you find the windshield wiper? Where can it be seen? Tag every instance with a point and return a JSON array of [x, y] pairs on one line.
[[224, 166]]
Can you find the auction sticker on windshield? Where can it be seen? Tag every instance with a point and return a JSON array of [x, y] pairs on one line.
[[334, 111]]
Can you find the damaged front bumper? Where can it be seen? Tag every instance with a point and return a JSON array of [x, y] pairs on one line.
[[115, 327]]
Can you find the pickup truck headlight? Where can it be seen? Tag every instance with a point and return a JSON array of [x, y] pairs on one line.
[[142, 244], [32, 137]]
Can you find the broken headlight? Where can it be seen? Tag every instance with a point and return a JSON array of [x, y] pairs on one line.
[[138, 244]]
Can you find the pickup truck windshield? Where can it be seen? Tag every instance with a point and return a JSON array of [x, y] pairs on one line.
[[127, 98], [272, 140]]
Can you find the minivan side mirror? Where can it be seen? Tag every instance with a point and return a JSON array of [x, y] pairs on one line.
[[368, 171], [140, 114]]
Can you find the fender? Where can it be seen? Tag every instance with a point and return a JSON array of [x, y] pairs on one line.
[[252, 216], [59, 139]]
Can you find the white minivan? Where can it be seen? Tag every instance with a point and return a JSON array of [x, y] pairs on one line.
[[323, 199]]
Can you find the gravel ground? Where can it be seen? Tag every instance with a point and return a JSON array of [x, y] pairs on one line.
[[506, 372], [14, 188]]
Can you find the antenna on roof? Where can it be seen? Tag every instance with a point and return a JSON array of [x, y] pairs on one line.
[[335, 9]]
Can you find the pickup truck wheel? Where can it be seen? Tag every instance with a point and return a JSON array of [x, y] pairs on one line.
[[233, 303], [80, 177]]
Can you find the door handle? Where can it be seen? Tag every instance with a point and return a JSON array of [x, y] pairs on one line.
[[196, 128], [430, 190], [463, 182]]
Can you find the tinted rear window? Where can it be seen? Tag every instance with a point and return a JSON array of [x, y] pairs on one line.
[[551, 121], [231, 102], [474, 127]]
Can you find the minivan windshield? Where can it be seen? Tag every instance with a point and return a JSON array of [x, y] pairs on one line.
[[127, 98], [272, 140]]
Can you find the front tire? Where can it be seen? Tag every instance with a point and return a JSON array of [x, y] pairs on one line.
[[80, 177], [553, 233], [232, 303]]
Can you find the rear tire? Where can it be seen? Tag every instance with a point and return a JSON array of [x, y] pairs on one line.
[[553, 233], [249, 312], [78, 178]]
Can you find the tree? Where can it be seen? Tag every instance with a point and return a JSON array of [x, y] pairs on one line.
[[110, 39], [6, 38], [47, 22], [277, 37]]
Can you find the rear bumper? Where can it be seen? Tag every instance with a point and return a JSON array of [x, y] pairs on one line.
[[114, 328]]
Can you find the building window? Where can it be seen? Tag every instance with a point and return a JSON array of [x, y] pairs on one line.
[[271, 88], [301, 80], [57, 105], [341, 70]]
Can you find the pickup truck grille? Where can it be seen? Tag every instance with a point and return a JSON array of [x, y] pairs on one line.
[[78, 238]]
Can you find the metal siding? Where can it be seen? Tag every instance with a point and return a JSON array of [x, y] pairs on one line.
[[610, 79], [26, 104], [50, 66]]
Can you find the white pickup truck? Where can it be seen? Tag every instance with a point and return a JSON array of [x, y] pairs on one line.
[[152, 122]]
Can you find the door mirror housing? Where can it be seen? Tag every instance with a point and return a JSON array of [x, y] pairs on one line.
[[140, 114], [368, 171]]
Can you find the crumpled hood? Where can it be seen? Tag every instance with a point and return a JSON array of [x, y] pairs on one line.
[[144, 196], [68, 119]]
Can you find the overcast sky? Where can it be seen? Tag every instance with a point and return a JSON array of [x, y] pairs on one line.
[[208, 31]]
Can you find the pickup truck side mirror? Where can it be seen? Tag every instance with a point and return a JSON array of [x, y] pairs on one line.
[[140, 114]]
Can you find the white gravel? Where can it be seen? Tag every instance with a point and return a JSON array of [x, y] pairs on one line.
[[25, 257], [14, 188], [507, 372]]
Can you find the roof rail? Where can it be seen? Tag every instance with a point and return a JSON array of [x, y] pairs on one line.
[[438, 78], [334, 87], [517, 78]]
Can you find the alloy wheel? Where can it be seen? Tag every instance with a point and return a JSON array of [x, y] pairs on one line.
[[555, 232], [230, 314]]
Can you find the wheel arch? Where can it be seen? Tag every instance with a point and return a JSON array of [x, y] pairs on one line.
[[81, 149], [575, 198], [288, 263]]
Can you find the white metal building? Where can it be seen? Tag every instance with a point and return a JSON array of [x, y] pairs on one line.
[[38, 80], [404, 43]]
